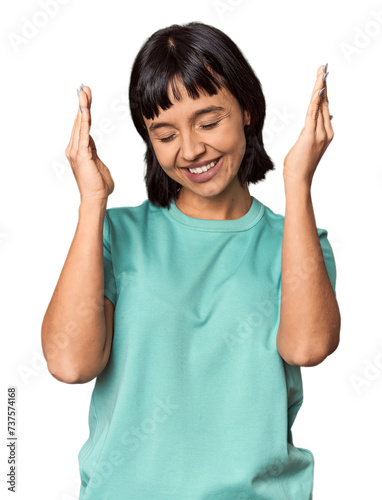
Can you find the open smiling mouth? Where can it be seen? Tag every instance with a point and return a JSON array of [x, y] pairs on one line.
[[206, 172]]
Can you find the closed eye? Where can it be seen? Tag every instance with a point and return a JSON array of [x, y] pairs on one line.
[[209, 125]]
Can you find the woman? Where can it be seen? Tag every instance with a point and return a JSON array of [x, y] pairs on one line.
[[195, 309]]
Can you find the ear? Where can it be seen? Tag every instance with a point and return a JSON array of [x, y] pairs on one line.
[[247, 117]]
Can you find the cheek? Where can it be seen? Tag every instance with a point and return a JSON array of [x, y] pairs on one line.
[[231, 140], [162, 156], [166, 162]]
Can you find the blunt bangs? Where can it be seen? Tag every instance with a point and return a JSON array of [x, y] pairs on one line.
[[190, 71]]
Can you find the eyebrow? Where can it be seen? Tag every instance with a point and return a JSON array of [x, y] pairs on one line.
[[198, 112]]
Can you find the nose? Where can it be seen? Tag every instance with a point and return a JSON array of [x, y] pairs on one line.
[[191, 146]]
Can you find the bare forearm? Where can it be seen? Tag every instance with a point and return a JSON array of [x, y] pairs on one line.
[[309, 314], [73, 330]]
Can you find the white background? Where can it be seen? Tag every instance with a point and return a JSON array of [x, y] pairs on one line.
[[95, 43]]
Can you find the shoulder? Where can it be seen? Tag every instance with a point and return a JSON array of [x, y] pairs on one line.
[[273, 222], [133, 213], [131, 222], [114, 212]]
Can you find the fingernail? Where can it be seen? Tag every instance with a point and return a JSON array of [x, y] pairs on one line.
[[326, 74], [326, 67], [78, 93], [321, 91]]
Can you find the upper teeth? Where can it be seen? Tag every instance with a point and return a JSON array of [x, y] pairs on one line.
[[199, 170]]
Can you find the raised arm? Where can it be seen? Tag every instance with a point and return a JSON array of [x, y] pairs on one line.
[[77, 328]]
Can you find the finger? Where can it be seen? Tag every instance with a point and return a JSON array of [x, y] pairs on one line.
[[313, 109], [321, 134], [77, 130], [84, 129], [320, 129], [83, 103], [74, 138], [75, 124], [88, 93], [325, 112]]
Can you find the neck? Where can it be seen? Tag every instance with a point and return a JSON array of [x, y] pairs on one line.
[[224, 206]]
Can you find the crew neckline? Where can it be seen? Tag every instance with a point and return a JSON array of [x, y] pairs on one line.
[[247, 221]]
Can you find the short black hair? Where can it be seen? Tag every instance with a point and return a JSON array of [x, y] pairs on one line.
[[203, 58]]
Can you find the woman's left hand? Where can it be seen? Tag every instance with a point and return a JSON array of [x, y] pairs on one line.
[[302, 160]]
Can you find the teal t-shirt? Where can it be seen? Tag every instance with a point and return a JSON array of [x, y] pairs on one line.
[[195, 402]]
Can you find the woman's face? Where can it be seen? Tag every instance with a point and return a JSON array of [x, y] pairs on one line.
[[188, 132]]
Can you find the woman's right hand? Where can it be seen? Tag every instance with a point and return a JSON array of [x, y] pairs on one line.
[[92, 175]]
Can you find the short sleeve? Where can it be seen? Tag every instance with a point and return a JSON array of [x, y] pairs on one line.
[[110, 287], [328, 257]]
